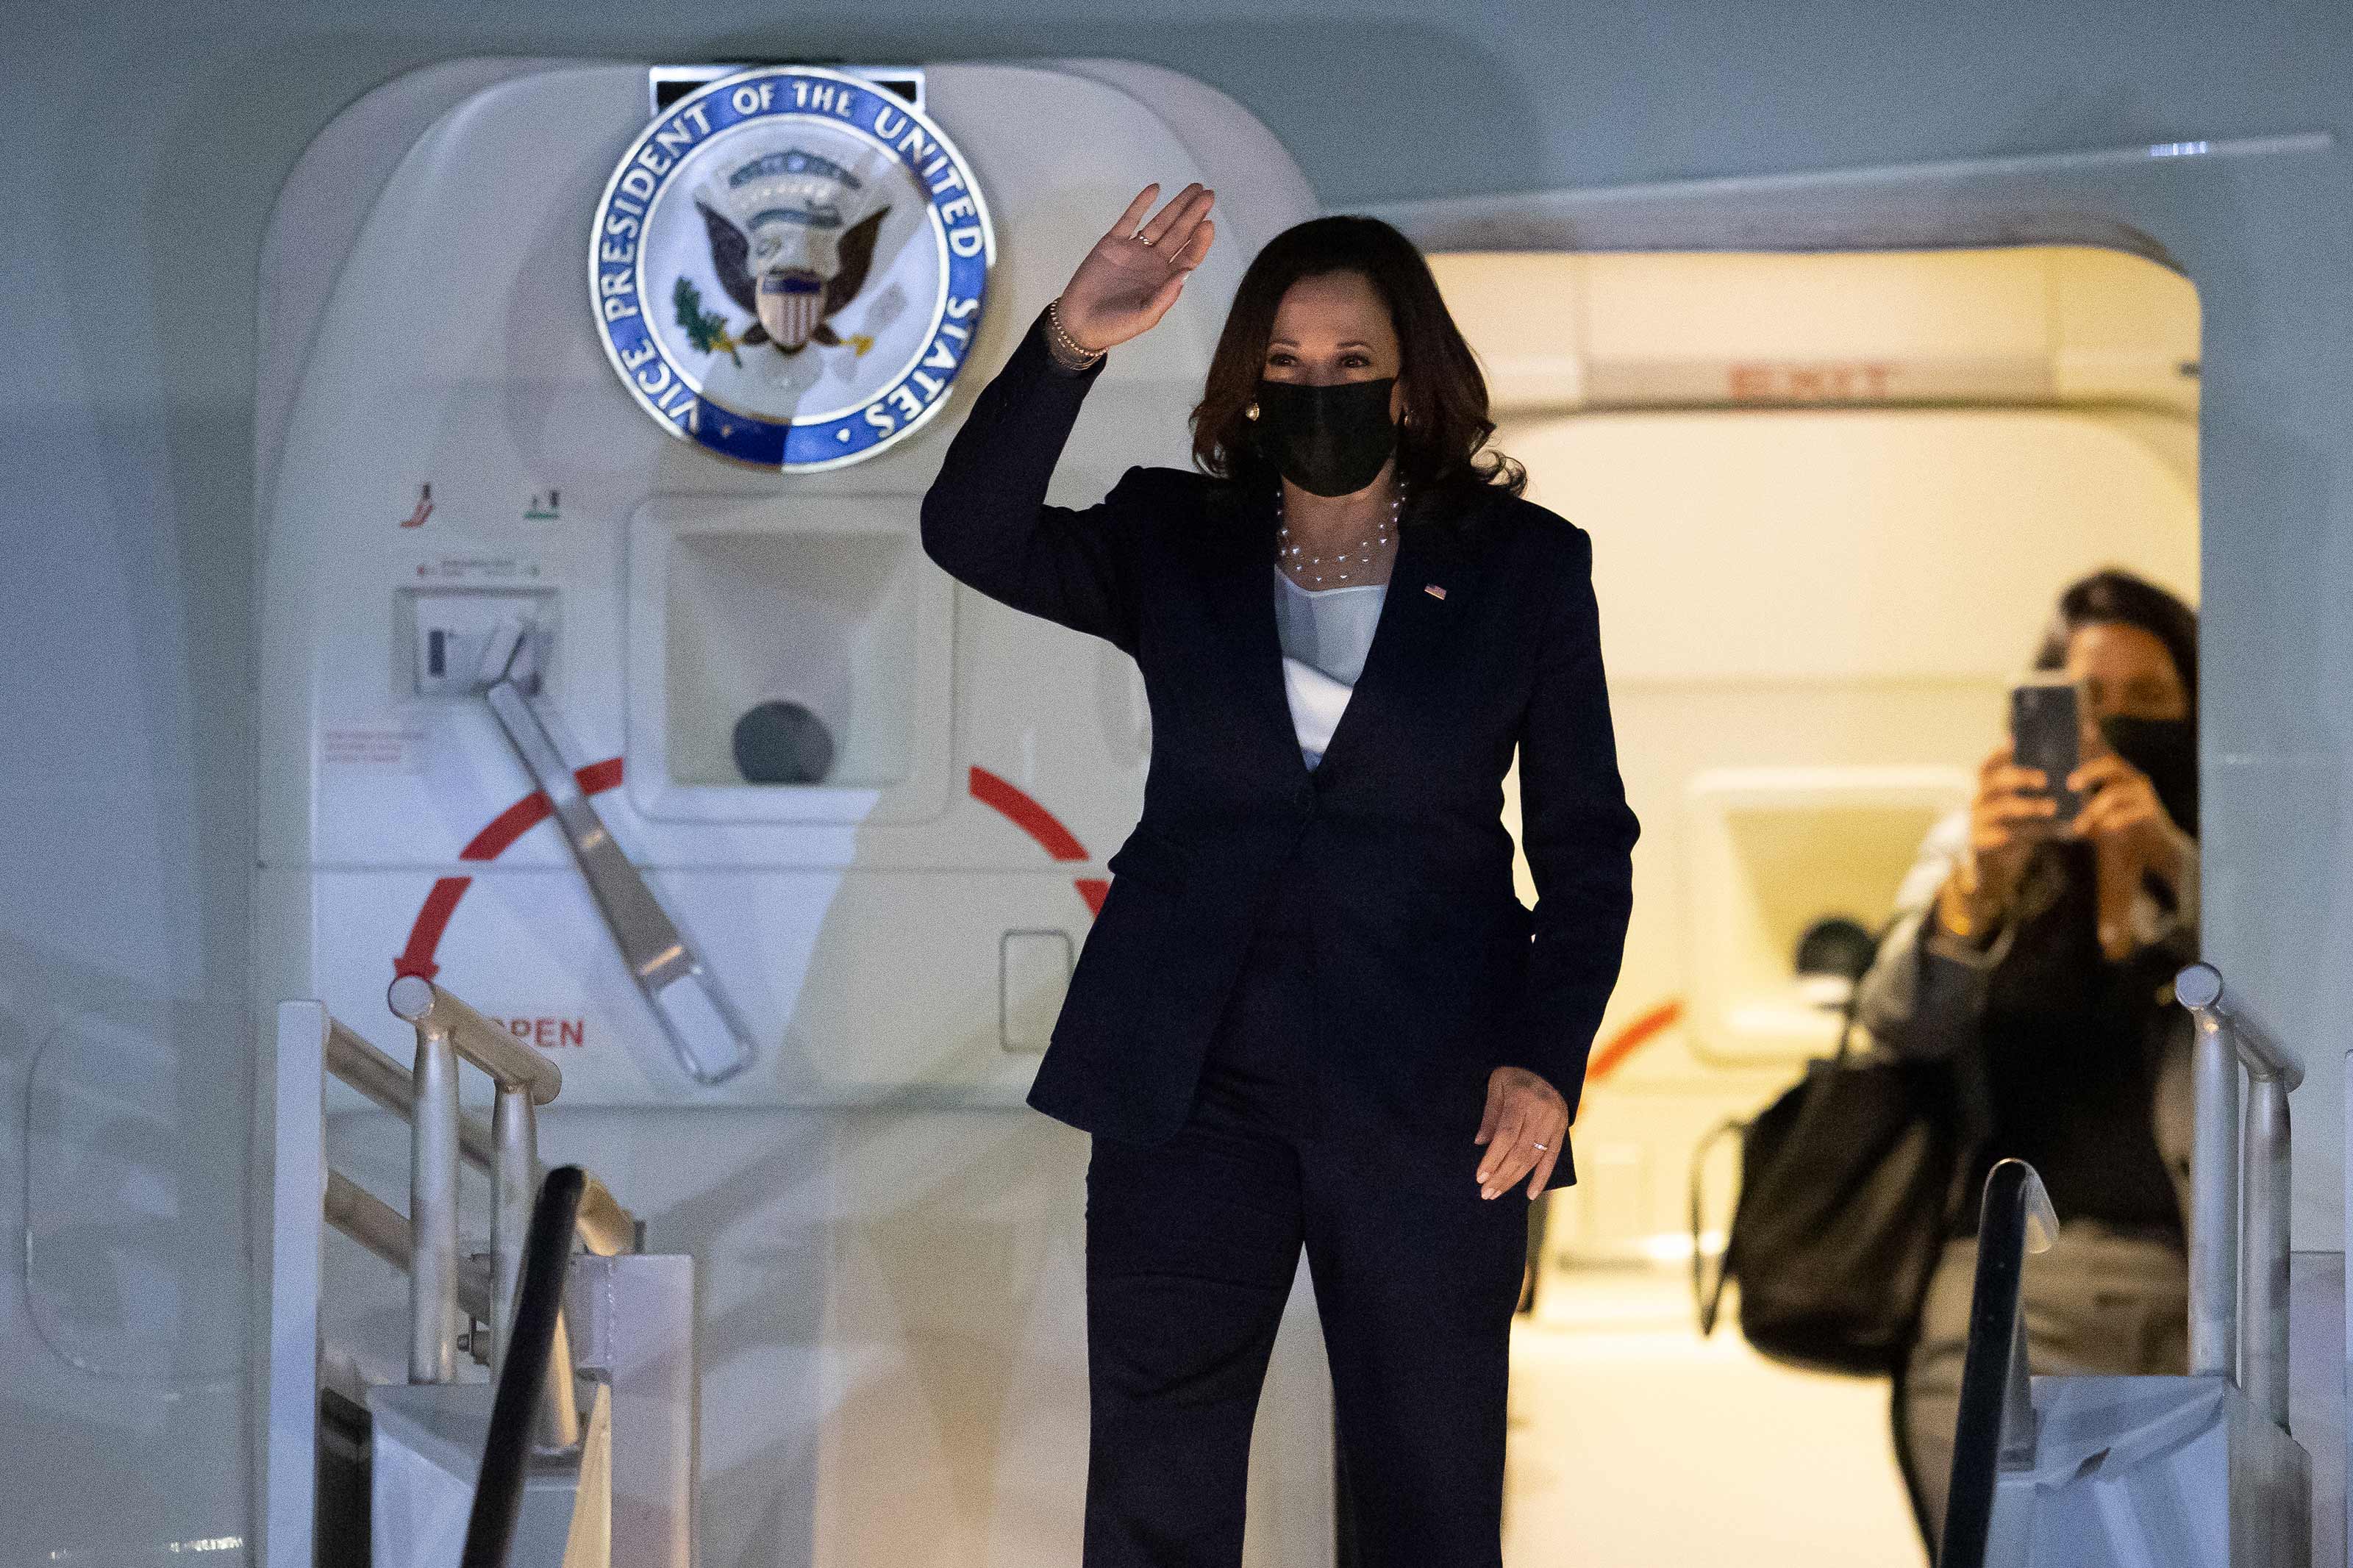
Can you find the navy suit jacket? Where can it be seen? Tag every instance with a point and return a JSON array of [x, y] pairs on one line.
[[1427, 975]]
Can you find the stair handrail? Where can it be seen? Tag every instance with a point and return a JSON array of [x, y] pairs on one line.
[[415, 1000], [446, 1032], [607, 1228], [357, 1063], [313, 1045], [442, 1284], [1996, 1427], [384, 1230], [2239, 1276], [535, 1364]]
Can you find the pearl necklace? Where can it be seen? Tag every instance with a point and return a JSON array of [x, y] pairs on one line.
[[1365, 549]]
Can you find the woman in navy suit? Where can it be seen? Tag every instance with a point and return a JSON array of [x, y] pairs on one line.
[[1312, 1011]]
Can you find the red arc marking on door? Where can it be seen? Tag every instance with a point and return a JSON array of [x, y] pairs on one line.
[[1018, 806], [1640, 1032], [1041, 824], [433, 919], [425, 936]]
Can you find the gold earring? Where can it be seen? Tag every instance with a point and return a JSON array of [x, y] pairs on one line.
[[1250, 413]]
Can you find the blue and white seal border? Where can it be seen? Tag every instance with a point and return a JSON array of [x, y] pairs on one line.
[[670, 391]]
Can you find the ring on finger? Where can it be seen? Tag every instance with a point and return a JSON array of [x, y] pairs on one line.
[[1538, 1145]]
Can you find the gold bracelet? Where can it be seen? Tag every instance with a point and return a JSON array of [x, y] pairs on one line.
[[1064, 359], [1960, 909], [1085, 356], [1953, 911]]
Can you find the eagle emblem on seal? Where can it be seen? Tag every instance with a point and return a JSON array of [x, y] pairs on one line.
[[790, 245]]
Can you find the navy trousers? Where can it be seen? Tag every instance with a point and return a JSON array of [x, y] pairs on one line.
[[1192, 1246]]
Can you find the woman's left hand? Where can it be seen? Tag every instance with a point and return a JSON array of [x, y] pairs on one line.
[[2121, 806], [2122, 816], [1525, 1123]]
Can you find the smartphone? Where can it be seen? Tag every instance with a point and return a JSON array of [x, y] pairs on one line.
[[2045, 732]]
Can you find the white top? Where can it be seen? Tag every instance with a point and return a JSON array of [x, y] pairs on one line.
[[1326, 633]]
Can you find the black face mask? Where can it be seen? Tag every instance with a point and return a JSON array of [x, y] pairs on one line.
[[2166, 751], [1327, 440]]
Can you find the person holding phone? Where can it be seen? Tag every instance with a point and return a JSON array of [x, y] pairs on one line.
[[2034, 949], [1312, 1015]]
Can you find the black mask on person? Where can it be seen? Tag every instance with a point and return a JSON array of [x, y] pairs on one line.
[[1328, 440], [2166, 751]]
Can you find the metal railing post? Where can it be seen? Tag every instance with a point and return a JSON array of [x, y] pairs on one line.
[[518, 1293], [441, 1283], [386, 1083], [525, 1078], [426, 1005], [2214, 1202], [433, 1211], [2264, 1271], [2237, 1280], [515, 1186]]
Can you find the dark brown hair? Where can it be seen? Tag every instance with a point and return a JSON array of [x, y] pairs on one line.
[[2116, 597], [1445, 396]]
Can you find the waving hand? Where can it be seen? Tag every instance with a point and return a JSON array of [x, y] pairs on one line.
[[1138, 267]]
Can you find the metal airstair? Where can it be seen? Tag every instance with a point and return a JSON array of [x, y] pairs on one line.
[[2196, 1471], [545, 1413]]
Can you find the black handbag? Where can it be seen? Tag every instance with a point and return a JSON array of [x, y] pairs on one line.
[[1846, 1185]]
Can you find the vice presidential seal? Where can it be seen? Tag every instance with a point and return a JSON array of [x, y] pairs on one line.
[[789, 266]]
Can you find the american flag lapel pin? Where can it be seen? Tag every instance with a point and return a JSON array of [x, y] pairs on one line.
[[1433, 590]]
